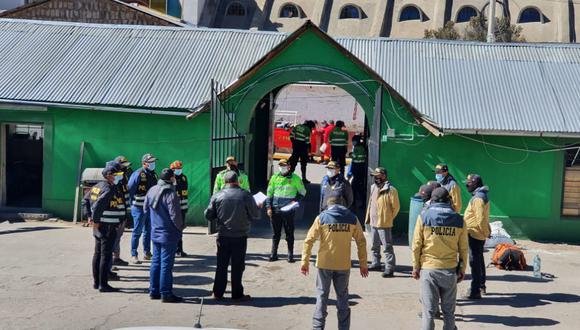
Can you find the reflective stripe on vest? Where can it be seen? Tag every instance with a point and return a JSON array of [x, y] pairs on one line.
[[110, 220]]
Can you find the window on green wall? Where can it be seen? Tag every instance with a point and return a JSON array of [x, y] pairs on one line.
[[571, 195], [174, 8], [159, 5]]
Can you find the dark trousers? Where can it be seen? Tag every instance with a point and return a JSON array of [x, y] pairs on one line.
[[477, 265], [230, 250], [285, 220], [104, 240], [180, 243], [338, 154], [299, 152]]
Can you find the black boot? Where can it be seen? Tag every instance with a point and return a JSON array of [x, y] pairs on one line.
[[274, 253], [291, 252]]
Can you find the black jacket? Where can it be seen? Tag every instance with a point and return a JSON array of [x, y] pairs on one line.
[[233, 208]]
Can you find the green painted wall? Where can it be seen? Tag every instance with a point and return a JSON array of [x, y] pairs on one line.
[[108, 134], [525, 187]]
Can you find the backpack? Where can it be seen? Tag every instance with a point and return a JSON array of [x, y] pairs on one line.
[[509, 257]]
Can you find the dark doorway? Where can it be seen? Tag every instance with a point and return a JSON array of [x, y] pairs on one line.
[[24, 150], [275, 114]]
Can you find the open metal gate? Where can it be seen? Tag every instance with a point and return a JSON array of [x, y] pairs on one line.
[[225, 139]]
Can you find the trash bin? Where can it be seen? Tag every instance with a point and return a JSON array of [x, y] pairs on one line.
[[415, 208]]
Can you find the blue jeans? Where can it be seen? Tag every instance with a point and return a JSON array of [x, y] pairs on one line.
[[161, 271], [142, 224]]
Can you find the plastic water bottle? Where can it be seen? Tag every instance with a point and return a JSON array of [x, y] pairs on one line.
[[537, 267]]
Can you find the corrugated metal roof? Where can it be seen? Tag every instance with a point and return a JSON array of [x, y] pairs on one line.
[[479, 86], [124, 66], [456, 85]]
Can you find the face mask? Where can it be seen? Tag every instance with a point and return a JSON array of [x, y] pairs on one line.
[[283, 170], [151, 167], [439, 177], [330, 173], [178, 172], [118, 178]]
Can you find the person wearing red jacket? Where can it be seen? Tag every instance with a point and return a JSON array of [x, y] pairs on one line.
[[326, 140]]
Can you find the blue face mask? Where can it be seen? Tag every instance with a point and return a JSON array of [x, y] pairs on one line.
[[178, 172], [439, 177], [151, 167], [118, 178]]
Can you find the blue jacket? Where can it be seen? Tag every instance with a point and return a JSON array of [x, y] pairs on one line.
[[162, 205]]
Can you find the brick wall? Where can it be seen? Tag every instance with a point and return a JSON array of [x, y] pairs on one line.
[[87, 11]]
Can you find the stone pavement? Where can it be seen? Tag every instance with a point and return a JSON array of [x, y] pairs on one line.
[[45, 283]]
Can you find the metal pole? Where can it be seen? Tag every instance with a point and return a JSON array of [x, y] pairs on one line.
[[78, 190], [491, 22]]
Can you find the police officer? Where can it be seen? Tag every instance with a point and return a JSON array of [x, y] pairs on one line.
[[124, 188], [357, 172], [182, 193], [300, 138], [439, 241], [335, 227], [476, 218], [335, 185], [139, 184], [107, 212], [382, 209], [448, 182], [231, 165], [284, 188], [338, 139]]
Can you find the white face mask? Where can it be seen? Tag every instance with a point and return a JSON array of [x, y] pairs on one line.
[[118, 178], [151, 166], [330, 173], [178, 172], [283, 170]]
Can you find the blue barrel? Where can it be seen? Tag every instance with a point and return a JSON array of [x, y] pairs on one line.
[[414, 210]]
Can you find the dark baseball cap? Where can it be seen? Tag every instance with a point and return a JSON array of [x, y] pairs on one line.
[[441, 168], [332, 165], [475, 178], [425, 191], [148, 158], [440, 195], [379, 171], [166, 174], [112, 168], [123, 161]]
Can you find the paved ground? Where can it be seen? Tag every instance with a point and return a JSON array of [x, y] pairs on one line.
[[45, 282]]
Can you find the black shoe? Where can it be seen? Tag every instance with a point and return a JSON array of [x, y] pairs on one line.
[[120, 262], [291, 258], [95, 286], [375, 268], [218, 298], [181, 254], [245, 297], [473, 297], [387, 275], [113, 276], [171, 299], [154, 296], [108, 288], [273, 257]]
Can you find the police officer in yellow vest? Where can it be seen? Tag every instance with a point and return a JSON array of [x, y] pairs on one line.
[[231, 165], [284, 189], [439, 258], [183, 193], [107, 212], [477, 220], [123, 187], [338, 139], [448, 182], [300, 138], [335, 228]]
